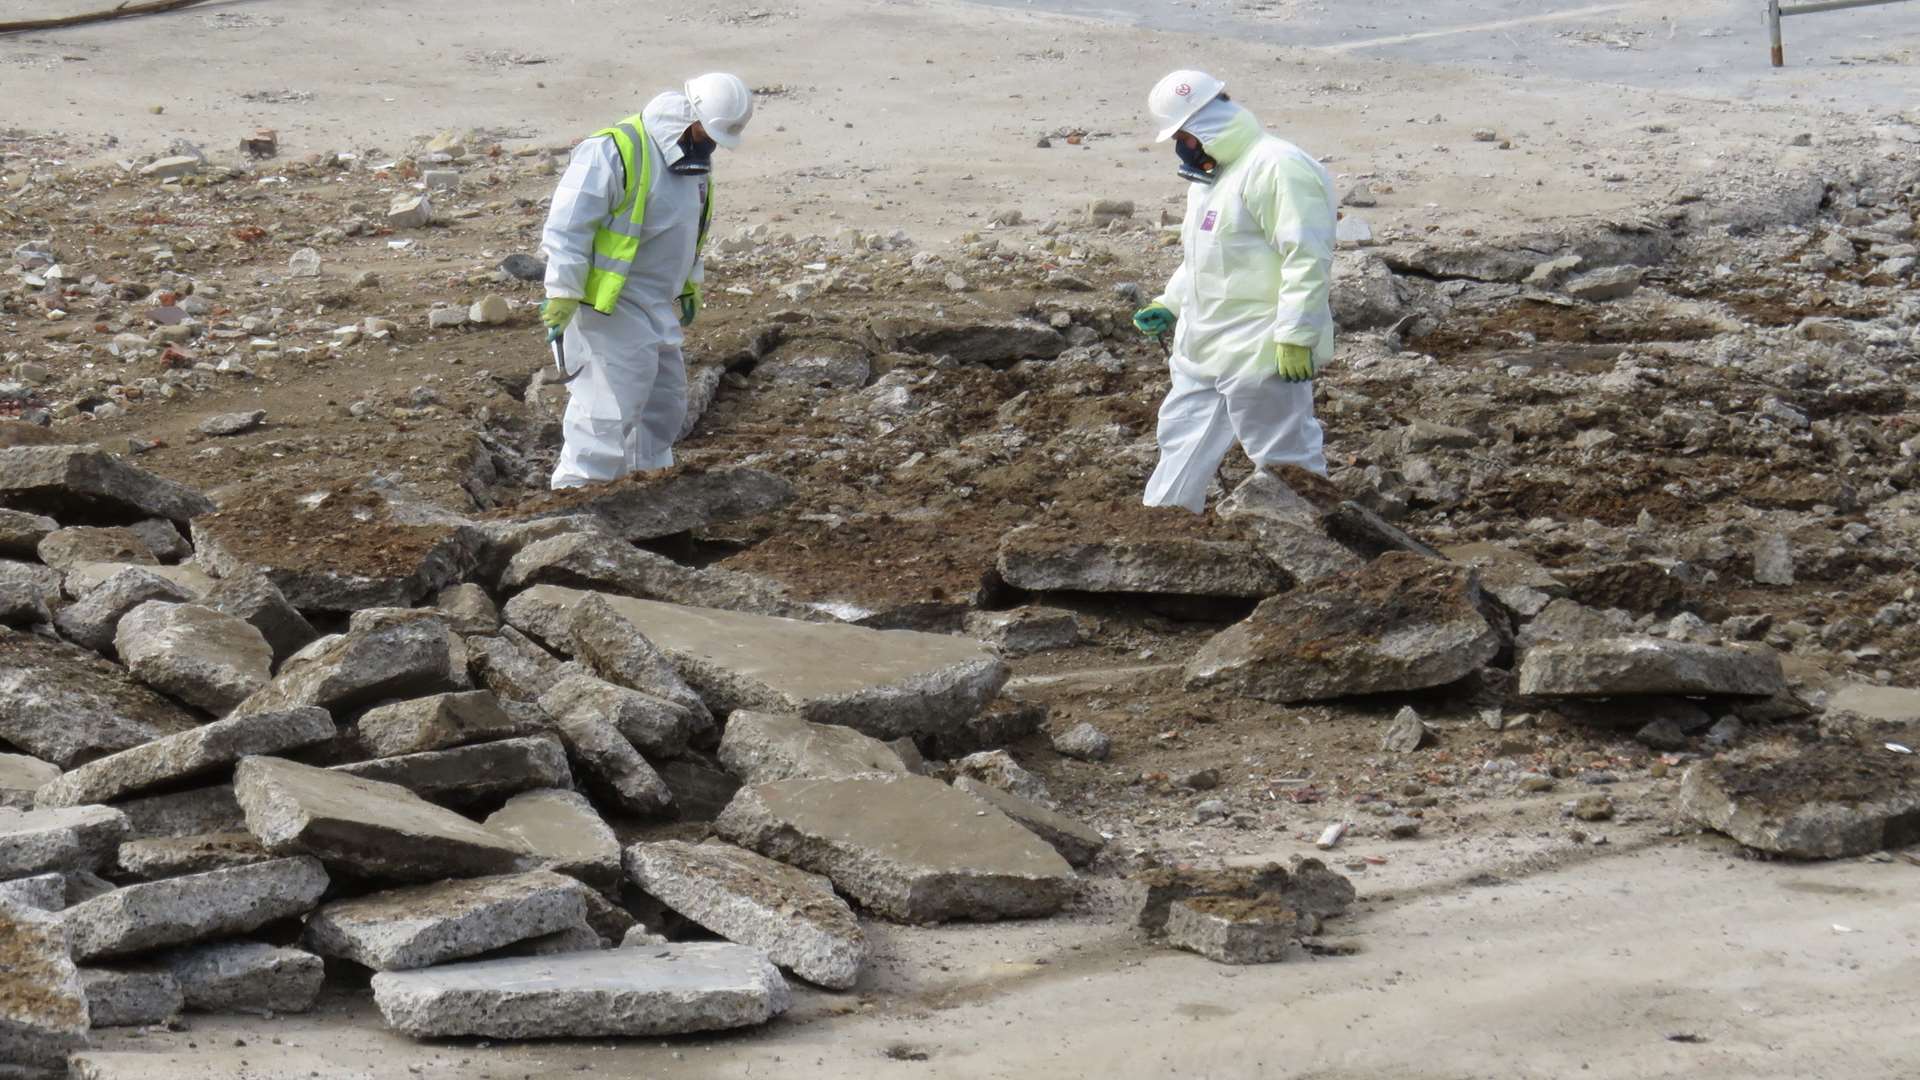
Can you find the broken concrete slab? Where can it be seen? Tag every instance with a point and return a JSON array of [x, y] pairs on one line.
[[502, 540], [130, 997], [649, 506], [886, 683], [93, 619], [510, 665], [80, 483], [1828, 801], [100, 709], [468, 609], [1524, 586], [654, 726], [435, 722], [998, 768], [20, 777], [254, 597], [21, 533], [194, 908], [1074, 840], [998, 345], [1083, 742], [1026, 630], [22, 604], [423, 925], [171, 856], [63, 839], [420, 560], [617, 651], [791, 915], [1041, 559], [1621, 666], [363, 667], [42, 892], [759, 747], [1399, 623], [647, 991], [608, 761], [368, 828], [196, 654], [31, 579], [80, 581], [1308, 888], [907, 847], [701, 789], [183, 813], [43, 1006], [246, 976], [1233, 931], [188, 756], [162, 538], [64, 549], [564, 832], [471, 774], [1891, 704], [611, 565]]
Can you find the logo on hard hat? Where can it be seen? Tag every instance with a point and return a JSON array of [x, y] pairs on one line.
[[1183, 89]]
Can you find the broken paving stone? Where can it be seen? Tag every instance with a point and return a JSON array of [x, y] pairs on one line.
[[59, 838], [43, 1009], [791, 915], [436, 722], [1399, 623], [183, 813], [1025, 631], [1227, 930], [1773, 560], [64, 549], [998, 768], [1644, 665], [162, 538], [423, 925], [77, 483], [254, 597], [1608, 283], [1040, 559], [1828, 801], [1570, 620], [510, 665], [83, 579], [42, 892], [649, 506], [193, 908], [648, 991], [21, 533], [196, 654], [906, 847], [368, 828], [473, 774], [410, 212], [93, 619], [1074, 840], [701, 789], [20, 777], [130, 997], [617, 651], [997, 345], [654, 726], [1406, 733], [564, 831], [187, 756], [1083, 742], [1522, 585], [759, 747], [608, 762], [247, 977], [1309, 888], [468, 609], [172, 856], [363, 666], [101, 709], [886, 683], [234, 423], [613, 566]]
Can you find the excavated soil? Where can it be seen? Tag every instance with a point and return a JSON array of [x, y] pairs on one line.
[[1530, 324], [344, 530], [1828, 773]]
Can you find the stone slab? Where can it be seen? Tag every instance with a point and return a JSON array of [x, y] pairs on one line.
[[608, 564], [435, 722], [190, 579], [654, 505], [757, 747], [655, 726], [59, 839], [93, 619], [254, 597], [1829, 801], [131, 997], [43, 1004], [1233, 931], [72, 482], [1039, 559], [246, 977], [399, 659], [183, 813], [64, 549], [471, 774], [171, 856], [615, 649], [66, 705], [423, 925], [194, 908], [204, 752], [564, 831], [1619, 666], [203, 657], [609, 763], [21, 776], [21, 533], [1076, 842]]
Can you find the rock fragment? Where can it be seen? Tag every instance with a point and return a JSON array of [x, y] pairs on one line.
[[101, 710], [1074, 840], [246, 976], [758, 747], [75, 482], [171, 856], [650, 506], [1828, 801], [609, 762], [64, 549], [1644, 665], [654, 726], [196, 907], [1406, 734], [21, 533], [63, 838], [1033, 557], [564, 832], [468, 609], [196, 654], [423, 925], [94, 618], [1233, 931], [130, 997], [364, 666], [1025, 631], [20, 777], [473, 774], [188, 756], [1083, 742], [254, 597], [183, 813], [617, 651], [234, 423], [43, 1009], [435, 722]]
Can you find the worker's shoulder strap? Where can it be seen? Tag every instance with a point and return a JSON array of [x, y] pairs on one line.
[[630, 136]]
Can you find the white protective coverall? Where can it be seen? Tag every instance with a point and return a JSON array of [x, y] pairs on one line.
[[625, 408], [1256, 273]]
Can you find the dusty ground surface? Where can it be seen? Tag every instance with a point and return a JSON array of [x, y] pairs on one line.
[[1506, 938]]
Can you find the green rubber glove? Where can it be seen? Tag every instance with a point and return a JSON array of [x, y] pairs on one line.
[[1296, 363], [1153, 320], [557, 312], [689, 305]]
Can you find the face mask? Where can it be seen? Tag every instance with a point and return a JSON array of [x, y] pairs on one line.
[[696, 155], [1195, 164]]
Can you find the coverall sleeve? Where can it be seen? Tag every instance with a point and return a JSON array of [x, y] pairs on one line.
[[1176, 288], [589, 190], [1301, 229]]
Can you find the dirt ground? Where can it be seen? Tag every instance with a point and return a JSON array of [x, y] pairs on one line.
[[1507, 938]]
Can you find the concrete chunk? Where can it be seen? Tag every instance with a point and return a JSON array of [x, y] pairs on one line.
[[653, 725], [43, 1005], [64, 549], [610, 764], [1827, 802], [648, 991], [64, 839], [197, 907], [247, 977], [649, 506], [171, 856], [1075, 841], [1025, 631], [886, 683], [130, 997], [254, 597], [758, 747], [1040, 559], [1645, 665], [468, 609], [907, 847], [1233, 931], [510, 665], [93, 619], [471, 774], [421, 560], [435, 723], [162, 538], [183, 813], [196, 654], [21, 533], [791, 915], [75, 481], [66, 705], [563, 831], [20, 777], [617, 651], [22, 604], [611, 565], [188, 756], [86, 577], [364, 666], [42, 892], [366, 827], [423, 925]]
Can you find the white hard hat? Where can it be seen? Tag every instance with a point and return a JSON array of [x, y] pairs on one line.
[[1178, 96], [722, 104]]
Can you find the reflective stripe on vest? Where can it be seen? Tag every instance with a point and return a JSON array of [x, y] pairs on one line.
[[616, 243]]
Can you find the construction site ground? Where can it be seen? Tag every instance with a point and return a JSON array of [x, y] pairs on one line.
[[1505, 939]]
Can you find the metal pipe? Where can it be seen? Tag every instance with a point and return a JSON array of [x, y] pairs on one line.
[[1773, 31], [1831, 5]]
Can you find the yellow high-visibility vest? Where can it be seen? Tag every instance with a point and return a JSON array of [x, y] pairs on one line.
[[617, 241]]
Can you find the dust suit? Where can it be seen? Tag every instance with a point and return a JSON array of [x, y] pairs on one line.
[[1256, 270]]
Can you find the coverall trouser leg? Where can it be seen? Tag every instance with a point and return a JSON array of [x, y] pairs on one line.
[[1203, 416]]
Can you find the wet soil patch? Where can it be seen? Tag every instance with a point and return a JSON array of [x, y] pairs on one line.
[[1531, 324]]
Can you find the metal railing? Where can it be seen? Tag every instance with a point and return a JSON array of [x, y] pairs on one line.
[[1776, 10]]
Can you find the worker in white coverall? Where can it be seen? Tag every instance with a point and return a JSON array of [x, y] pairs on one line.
[[623, 244], [1248, 306]]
